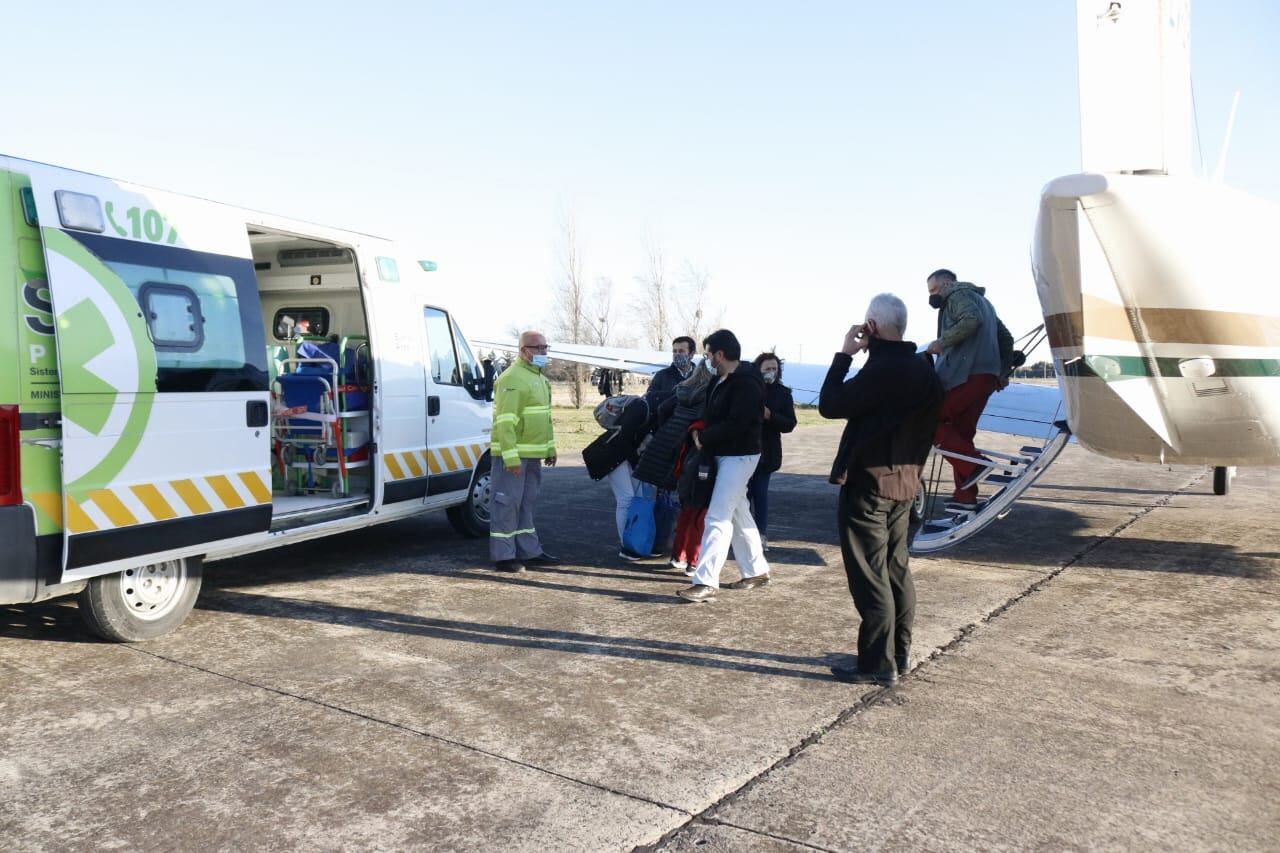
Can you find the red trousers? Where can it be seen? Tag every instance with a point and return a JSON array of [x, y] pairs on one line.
[[688, 544], [958, 424]]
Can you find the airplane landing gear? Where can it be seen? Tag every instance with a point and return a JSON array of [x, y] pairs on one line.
[[1222, 475]]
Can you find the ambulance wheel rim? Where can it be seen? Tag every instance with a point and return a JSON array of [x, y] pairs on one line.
[[480, 495], [151, 592]]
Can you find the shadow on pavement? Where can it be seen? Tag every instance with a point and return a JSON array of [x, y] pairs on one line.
[[516, 636]]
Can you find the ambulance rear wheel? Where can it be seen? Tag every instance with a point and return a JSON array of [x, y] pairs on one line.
[[141, 603], [471, 518]]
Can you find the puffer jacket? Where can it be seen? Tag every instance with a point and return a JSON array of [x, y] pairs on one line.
[[658, 462]]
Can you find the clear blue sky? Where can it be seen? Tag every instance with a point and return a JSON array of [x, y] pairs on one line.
[[808, 155]]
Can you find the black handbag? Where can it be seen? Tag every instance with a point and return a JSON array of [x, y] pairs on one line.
[[697, 479]]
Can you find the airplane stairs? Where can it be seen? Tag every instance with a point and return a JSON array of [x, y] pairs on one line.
[[1014, 473]]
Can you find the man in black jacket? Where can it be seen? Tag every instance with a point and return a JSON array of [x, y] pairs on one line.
[[664, 382], [734, 415], [892, 407]]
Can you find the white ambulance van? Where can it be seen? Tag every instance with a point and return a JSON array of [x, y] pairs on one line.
[[182, 381]]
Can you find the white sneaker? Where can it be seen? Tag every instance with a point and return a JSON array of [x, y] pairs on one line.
[[679, 564], [764, 543]]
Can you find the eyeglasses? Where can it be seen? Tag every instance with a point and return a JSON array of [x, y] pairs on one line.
[[543, 348]]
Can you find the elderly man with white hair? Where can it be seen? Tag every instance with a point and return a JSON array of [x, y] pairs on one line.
[[891, 406]]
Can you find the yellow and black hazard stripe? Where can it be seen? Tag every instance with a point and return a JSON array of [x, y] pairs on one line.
[[421, 471], [122, 520]]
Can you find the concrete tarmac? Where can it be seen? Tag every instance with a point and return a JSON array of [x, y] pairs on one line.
[[1098, 670]]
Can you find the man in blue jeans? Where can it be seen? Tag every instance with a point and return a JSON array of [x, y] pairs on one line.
[[734, 416]]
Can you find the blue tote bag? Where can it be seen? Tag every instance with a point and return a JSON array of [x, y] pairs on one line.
[[637, 536]]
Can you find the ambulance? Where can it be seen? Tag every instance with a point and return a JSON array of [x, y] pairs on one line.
[[183, 381]]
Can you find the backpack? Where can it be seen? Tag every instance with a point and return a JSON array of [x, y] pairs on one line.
[[609, 411]]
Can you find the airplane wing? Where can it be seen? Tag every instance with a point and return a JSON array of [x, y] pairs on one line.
[[646, 362]]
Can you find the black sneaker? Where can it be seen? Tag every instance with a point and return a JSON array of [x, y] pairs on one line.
[[852, 675], [628, 555], [543, 559], [509, 566], [904, 663]]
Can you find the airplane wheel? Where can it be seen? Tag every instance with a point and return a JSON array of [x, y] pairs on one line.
[[1221, 480], [919, 504]]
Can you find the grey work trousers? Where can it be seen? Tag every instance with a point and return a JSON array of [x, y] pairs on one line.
[[512, 535], [874, 535]]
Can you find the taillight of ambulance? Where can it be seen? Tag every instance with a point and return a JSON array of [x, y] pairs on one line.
[[10, 469]]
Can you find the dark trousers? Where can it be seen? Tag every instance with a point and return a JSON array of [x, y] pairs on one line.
[[758, 494], [958, 424], [873, 540]]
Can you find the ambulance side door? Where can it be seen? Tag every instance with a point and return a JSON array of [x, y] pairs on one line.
[[162, 367]]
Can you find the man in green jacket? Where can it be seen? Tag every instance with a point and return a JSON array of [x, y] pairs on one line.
[[972, 348], [522, 442]]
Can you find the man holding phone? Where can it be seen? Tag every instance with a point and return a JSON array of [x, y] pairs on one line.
[[891, 406]]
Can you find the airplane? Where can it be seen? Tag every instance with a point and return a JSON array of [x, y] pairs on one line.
[[1141, 270]]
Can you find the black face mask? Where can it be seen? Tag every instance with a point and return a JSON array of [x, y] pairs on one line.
[[935, 300]]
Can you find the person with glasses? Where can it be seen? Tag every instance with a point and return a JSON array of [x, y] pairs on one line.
[[522, 442]]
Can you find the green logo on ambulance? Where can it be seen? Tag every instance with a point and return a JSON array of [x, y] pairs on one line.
[[107, 362]]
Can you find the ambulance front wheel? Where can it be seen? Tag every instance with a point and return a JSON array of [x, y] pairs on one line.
[[471, 518], [143, 603]]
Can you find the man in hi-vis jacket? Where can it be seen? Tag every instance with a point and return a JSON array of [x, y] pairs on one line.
[[522, 442]]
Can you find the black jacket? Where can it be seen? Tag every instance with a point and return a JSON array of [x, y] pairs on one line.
[[735, 413], [663, 385], [892, 406], [782, 418], [613, 447]]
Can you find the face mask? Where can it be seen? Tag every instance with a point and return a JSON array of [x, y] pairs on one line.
[[711, 368], [540, 361], [935, 300], [770, 376], [681, 360]]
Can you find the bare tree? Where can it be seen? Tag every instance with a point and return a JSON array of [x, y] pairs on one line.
[[600, 318], [569, 323], [690, 301], [653, 305]]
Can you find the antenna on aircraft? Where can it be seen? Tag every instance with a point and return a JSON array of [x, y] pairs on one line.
[[1221, 168]]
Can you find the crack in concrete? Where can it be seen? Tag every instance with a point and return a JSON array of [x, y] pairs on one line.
[[409, 729], [879, 695], [715, 821]]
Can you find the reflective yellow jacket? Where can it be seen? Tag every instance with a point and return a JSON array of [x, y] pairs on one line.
[[522, 415]]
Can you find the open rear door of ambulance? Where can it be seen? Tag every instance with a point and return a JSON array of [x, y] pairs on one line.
[[162, 366]]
